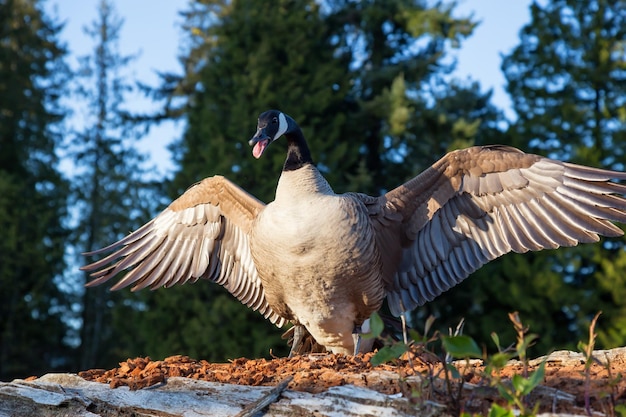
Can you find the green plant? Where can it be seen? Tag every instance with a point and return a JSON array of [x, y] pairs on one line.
[[608, 398], [415, 346], [587, 351], [392, 349], [462, 347], [522, 385], [612, 394]]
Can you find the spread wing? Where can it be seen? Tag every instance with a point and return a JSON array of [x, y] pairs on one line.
[[477, 204], [202, 234]]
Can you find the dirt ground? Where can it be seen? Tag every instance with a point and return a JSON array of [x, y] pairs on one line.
[[564, 390]]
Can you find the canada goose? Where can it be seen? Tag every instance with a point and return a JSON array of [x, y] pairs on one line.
[[326, 261]]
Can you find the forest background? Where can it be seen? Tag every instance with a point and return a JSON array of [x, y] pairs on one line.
[[369, 82]]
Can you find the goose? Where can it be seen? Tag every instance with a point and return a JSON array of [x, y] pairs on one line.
[[325, 261]]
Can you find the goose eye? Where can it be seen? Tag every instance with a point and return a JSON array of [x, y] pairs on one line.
[[275, 120]]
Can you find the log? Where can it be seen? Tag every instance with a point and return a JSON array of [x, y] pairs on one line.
[[71, 396]]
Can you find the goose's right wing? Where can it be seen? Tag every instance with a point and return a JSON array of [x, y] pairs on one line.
[[202, 234]]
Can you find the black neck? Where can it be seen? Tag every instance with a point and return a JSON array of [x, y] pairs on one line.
[[298, 153]]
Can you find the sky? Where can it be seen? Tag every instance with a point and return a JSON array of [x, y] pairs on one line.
[[152, 29]]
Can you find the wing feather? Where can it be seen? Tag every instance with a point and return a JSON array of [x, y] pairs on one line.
[[477, 204], [202, 234]]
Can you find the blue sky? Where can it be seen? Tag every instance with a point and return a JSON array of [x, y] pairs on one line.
[[152, 29]]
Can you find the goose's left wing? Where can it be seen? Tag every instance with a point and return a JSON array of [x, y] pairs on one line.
[[202, 234], [477, 204]]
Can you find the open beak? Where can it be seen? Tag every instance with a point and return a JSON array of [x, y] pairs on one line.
[[260, 140]]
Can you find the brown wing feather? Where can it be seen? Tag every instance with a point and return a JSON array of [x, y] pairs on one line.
[[477, 204], [202, 234]]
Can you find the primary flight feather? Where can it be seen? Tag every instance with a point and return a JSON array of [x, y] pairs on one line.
[[326, 261]]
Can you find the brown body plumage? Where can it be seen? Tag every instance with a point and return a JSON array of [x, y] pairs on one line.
[[326, 261]]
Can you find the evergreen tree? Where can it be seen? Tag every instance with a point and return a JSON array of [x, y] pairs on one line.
[[259, 56], [567, 82], [397, 70], [112, 194], [32, 193]]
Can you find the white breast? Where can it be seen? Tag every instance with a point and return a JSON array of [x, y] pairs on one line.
[[316, 256]]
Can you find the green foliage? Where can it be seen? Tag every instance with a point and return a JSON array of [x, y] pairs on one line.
[[397, 54], [462, 347], [607, 397], [520, 386], [498, 411], [389, 353], [376, 327], [566, 80], [32, 194], [260, 56]]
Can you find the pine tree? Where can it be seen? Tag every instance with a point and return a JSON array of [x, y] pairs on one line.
[[567, 81], [397, 65], [112, 194], [32, 193], [247, 56]]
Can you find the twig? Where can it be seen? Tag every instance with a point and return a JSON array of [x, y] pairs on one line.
[[271, 396]]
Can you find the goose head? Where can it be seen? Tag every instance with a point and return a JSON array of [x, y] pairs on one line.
[[272, 125]]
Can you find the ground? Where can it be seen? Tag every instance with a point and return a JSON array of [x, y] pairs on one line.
[[564, 390]]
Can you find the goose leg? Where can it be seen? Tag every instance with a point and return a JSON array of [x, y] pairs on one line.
[[358, 330], [356, 336], [298, 336], [405, 336]]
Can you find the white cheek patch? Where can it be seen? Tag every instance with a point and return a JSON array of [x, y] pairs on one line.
[[282, 126]]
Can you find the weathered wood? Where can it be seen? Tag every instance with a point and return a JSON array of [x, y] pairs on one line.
[[72, 396], [566, 357], [251, 409]]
